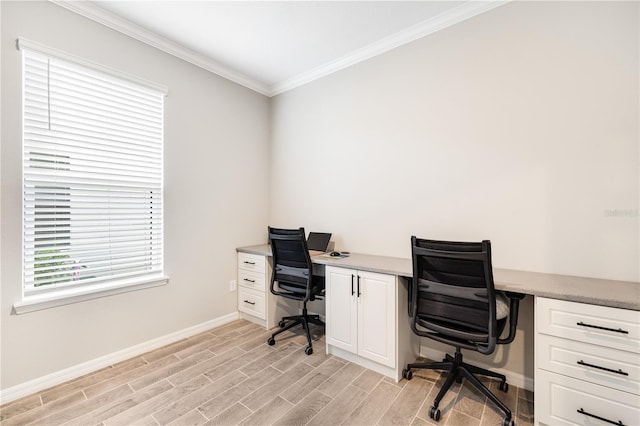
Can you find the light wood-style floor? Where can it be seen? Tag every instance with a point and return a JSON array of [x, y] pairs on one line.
[[229, 375]]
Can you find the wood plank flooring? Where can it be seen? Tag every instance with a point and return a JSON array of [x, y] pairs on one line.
[[229, 375]]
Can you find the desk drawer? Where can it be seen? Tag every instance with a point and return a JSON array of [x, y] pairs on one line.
[[596, 364], [251, 262], [567, 401], [251, 302], [600, 325], [251, 280]]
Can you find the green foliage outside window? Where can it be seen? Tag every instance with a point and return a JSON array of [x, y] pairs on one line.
[[52, 259]]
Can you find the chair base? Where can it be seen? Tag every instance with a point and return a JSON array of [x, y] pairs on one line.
[[304, 319], [457, 371]]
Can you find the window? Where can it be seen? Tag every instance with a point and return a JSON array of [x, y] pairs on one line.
[[92, 177]]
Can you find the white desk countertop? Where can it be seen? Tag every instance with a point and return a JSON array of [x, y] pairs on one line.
[[595, 291]]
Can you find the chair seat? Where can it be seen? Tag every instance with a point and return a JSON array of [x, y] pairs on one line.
[[458, 331], [298, 292], [502, 306]]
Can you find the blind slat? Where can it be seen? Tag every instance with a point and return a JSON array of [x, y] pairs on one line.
[[87, 251], [112, 144]]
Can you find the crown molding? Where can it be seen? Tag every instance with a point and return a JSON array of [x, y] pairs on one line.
[[446, 19], [429, 26], [88, 10]]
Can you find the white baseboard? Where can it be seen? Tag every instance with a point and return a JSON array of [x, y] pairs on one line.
[[514, 379], [53, 379]]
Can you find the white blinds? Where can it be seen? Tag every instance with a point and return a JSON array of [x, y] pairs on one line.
[[93, 176]]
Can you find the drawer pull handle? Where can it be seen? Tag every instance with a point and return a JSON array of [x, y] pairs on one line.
[[618, 371], [248, 280], [602, 328], [249, 263], [619, 422], [251, 303]]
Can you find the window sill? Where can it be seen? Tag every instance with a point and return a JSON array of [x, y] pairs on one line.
[[75, 295]]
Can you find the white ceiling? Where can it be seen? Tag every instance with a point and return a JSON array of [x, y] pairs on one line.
[[273, 46]]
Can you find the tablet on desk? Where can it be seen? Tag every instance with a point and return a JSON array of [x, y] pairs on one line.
[[317, 242]]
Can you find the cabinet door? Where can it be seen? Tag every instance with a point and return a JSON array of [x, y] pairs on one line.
[[341, 308], [251, 262], [251, 302], [562, 400], [601, 325], [376, 317], [251, 280], [597, 364]]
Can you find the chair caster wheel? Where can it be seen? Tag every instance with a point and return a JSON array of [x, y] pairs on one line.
[[308, 350], [271, 341], [407, 373], [281, 324], [508, 422], [503, 386], [434, 413]]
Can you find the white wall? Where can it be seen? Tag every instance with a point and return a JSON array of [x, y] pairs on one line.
[[519, 126], [216, 198]]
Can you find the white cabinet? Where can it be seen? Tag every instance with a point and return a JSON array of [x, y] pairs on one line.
[[341, 327], [255, 301], [587, 364], [252, 287], [361, 315]]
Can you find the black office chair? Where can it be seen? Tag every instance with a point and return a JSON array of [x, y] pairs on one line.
[[453, 301], [293, 278]]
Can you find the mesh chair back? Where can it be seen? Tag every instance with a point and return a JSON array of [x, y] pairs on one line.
[[292, 268], [454, 295]]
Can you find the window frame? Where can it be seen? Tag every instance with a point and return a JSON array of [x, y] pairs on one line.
[[66, 294]]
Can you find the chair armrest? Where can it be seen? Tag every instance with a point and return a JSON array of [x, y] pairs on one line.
[[412, 293], [514, 305]]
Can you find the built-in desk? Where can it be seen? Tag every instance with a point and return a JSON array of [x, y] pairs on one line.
[[587, 334], [594, 291]]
